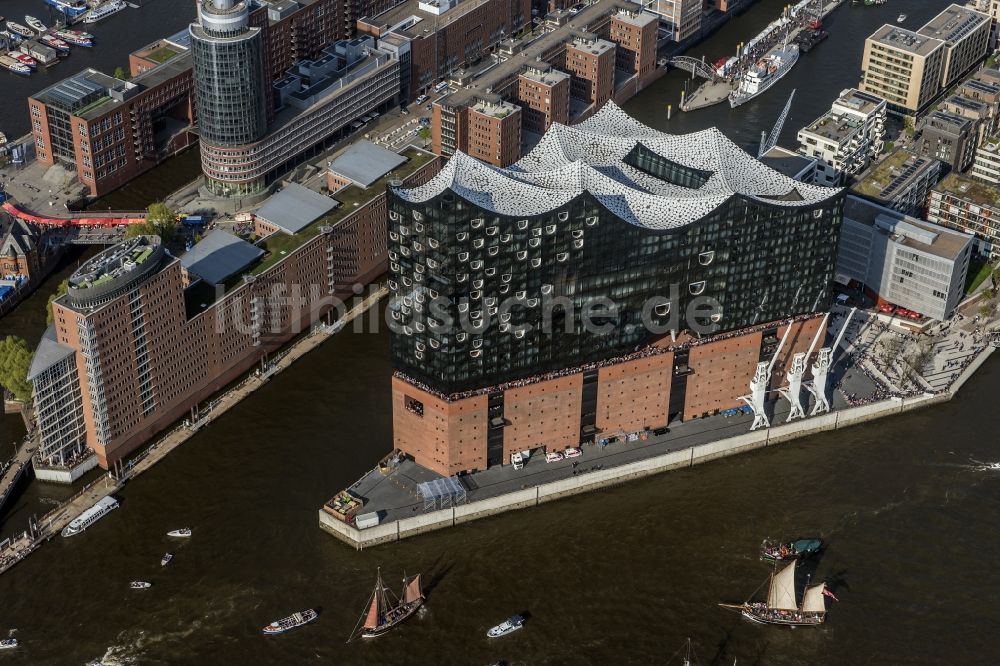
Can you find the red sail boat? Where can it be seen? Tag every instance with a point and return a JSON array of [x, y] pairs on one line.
[[385, 611]]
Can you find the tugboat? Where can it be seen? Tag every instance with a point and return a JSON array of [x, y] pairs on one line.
[[791, 550], [508, 626], [19, 29], [292, 621], [384, 613], [139, 585], [165, 560], [781, 608], [182, 532], [35, 24]]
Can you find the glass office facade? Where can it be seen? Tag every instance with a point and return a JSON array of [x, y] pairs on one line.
[[482, 299]]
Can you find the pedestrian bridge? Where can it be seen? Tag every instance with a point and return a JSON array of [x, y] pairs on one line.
[[111, 220], [695, 66]]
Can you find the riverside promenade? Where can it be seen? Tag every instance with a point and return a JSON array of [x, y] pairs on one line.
[[52, 523]]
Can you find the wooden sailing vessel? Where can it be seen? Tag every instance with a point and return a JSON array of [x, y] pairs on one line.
[[385, 611], [781, 607]]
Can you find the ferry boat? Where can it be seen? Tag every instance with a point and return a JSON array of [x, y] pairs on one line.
[[54, 42], [19, 29], [23, 58], [781, 607], [8, 643], [764, 74], [71, 8], [90, 516], [182, 532], [385, 613], [791, 550], [508, 626], [291, 622], [35, 24], [140, 585], [104, 11], [73, 38], [165, 560]]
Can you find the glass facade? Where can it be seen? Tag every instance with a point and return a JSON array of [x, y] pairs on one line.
[[482, 299]]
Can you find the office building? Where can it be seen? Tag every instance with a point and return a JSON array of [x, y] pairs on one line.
[[110, 131], [949, 138], [909, 69], [675, 231], [846, 138], [591, 64], [986, 164], [141, 338], [488, 129], [901, 181], [902, 260], [543, 94], [970, 206], [681, 17]]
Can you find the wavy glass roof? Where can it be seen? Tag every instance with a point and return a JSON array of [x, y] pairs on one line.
[[590, 157]]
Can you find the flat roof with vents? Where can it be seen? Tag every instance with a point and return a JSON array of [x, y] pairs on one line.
[[295, 208], [219, 256]]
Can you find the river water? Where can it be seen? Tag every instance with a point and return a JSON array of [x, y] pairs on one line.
[[621, 576]]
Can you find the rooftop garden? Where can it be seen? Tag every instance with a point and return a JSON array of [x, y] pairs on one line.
[[881, 174], [279, 245], [971, 189], [162, 54]]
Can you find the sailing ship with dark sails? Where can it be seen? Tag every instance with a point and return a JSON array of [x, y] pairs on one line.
[[385, 611], [782, 607]]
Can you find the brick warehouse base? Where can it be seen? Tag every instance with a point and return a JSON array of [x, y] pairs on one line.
[[690, 379]]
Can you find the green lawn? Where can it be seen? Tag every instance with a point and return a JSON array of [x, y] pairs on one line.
[[979, 270], [162, 54]]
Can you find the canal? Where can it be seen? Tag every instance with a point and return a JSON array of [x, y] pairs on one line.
[[622, 576]]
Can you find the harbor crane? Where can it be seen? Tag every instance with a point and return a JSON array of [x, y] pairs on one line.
[[820, 370], [769, 141], [759, 383], [793, 392]]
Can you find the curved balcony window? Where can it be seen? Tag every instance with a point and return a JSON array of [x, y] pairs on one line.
[[407, 330], [546, 289], [522, 224], [490, 300], [393, 215], [578, 233], [562, 256], [393, 256], [493, 251], [404, 231], [535, 263], [418, 355], [818, 213], [419, 247], [407, 282], [476, 314], [505, 238], [405, 251], [477, 223], [491, 310], [477, 284], [490, 272], [461, 236], [550, 229], [662, 309], [418, 216], [504, 289], [431, 263], [520, 295], [505, 277], [563, 216], [477, 343], [394, 266], [395, 315], [477, 264], [534, 242], [393, 236], [504, 328], [696, 288], [433, 243], [478, 243], [463, 256], [522, 255], [532, 302], [419, 228], [705, 258], [505, 317], [476, 295], [460, 337], [591, 221], [537, 231], [420, 346], [577, 244], [476, 353], [519, 333], [433, 293], [419, 268], [434, 343], [393, 285], [462, 277], [463, 307], [491, 231]]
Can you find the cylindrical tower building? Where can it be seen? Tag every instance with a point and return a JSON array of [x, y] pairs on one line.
[[229, 83]]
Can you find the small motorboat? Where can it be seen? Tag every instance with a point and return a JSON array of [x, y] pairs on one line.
[[790, 550], [8, 643], [291, 622], [182, 532], [19, 29], [23, 58], [165, 560], [73, 38], [900, 18], [508, 626], [54, 42], [572, 452], [553, 456], [35, 24], [140, 585]]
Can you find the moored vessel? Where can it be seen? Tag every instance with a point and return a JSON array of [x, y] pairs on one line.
[[508, 626], [790, 550], [781, 606], [182, 532], [54, 42], [23, 58], [291, 622], [19, 29], [71, 8], [12, 39], [90, 516], [35, 24], [73, 38], [386, 612], [765, 73], [13, 65], [104, 11], [140, 585]]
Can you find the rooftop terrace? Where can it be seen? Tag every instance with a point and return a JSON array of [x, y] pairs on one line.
[[975, 191], [905, 40], [953, 24], [884, 173]]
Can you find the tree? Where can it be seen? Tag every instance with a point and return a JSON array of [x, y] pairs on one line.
[[986, 310], [160, 221], [60, 290], [15, 360], [121, 74]]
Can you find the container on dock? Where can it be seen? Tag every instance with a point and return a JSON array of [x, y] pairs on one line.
[[366, 520]]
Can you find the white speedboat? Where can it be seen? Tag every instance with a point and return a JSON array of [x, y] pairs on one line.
[[104, 11], [8, 643], [35, 24], [140, 585], [508, 626], [165, 560], [900, 18], [19, 29], [182, 532], [91, 516]]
